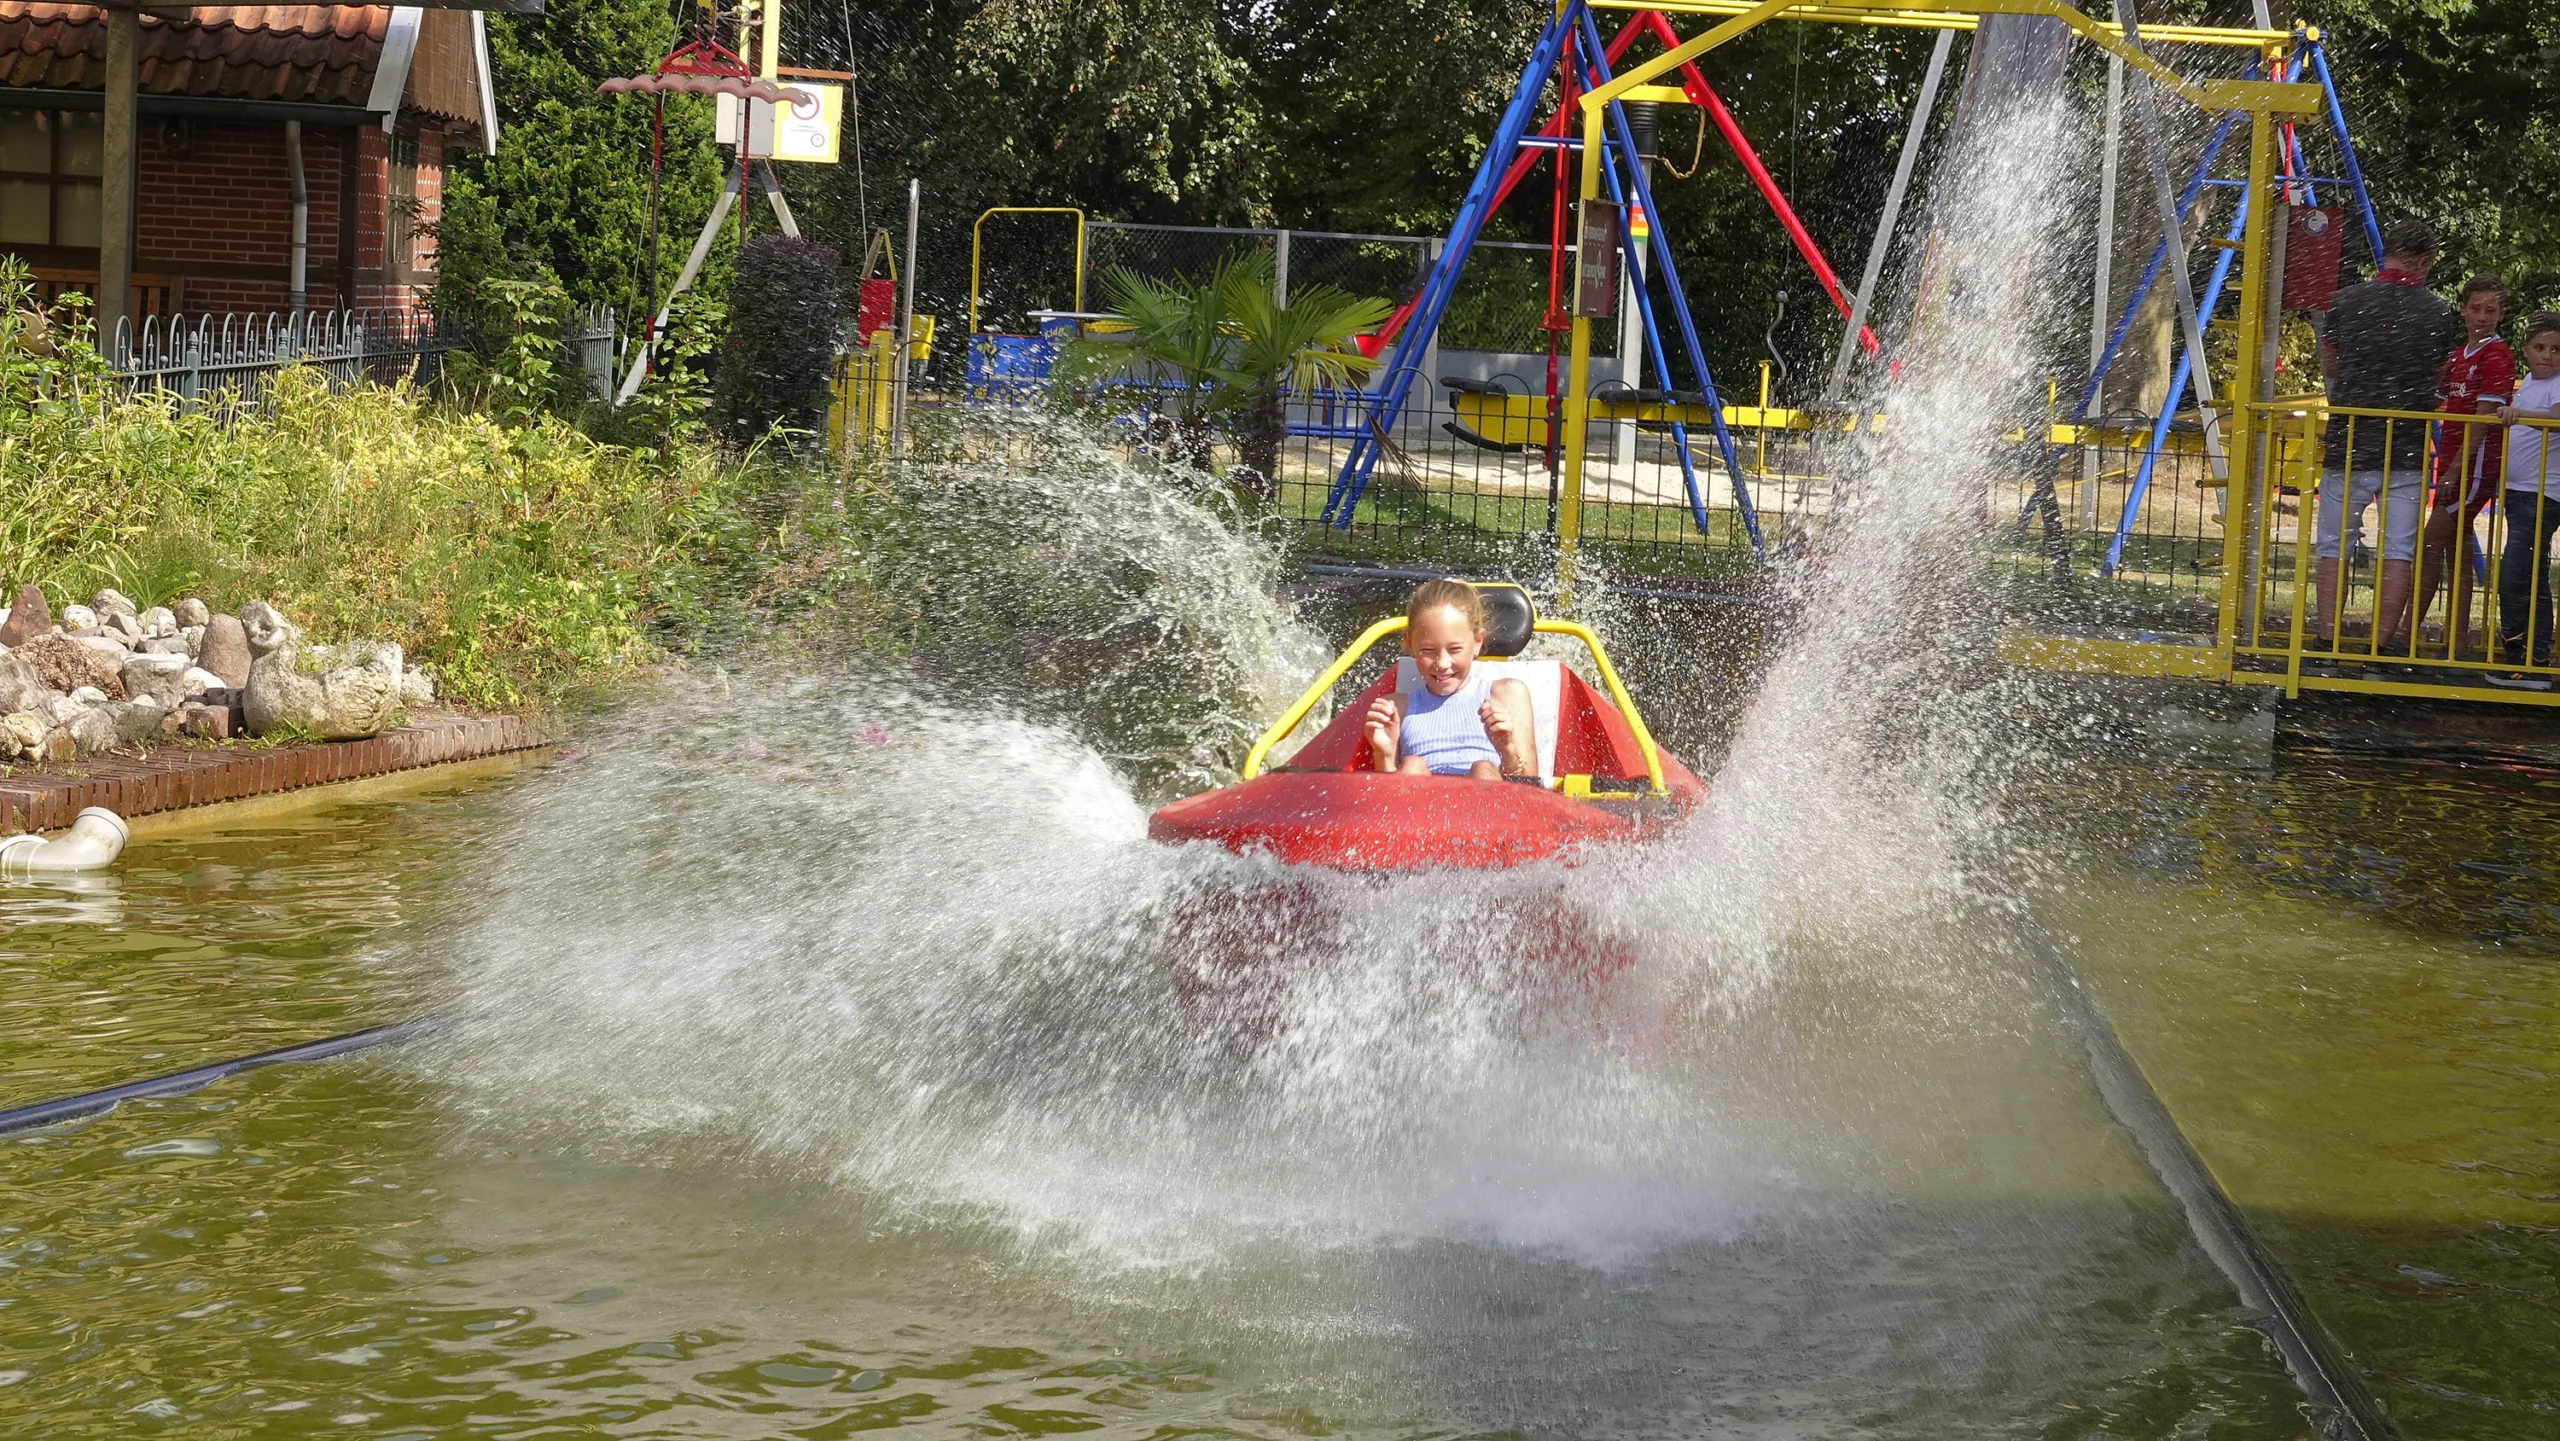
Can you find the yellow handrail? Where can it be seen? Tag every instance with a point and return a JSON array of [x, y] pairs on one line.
[[977, 240], [1618, 693], [1350, 657], [1306, 701]]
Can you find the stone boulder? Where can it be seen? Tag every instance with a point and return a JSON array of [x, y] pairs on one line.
[[64, 664], [162, 678], [205, 722], [28, 618], [158, 621], [342, 703], [92, 725], [226, 650], [191, 612], [79, 617], [22, 686], [22, 736], [111, 601]]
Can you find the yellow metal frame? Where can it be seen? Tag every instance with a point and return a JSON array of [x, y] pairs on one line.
[[978, 240], [2262, 463], [1925, 16], [1315, 693], [2263, 100]]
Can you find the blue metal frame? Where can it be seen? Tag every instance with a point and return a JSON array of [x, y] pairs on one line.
[[2304, 51], [2338, 123], [2178, 378], [1511, 136], [1388, 401], [1624, 138]]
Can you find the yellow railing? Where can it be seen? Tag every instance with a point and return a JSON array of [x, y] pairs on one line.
[[1316, 691], [978, 242], [864, 391], [2309, 620]]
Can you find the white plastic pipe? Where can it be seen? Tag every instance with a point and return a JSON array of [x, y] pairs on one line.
[[96, 838]]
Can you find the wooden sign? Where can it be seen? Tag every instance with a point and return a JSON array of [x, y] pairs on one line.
[[1597, 261]]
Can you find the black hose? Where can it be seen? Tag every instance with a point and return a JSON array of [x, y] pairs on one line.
[[2348, 1410], [90, 1103]]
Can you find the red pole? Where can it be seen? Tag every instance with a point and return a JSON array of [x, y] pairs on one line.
[[1556, 127], [1702, 94]]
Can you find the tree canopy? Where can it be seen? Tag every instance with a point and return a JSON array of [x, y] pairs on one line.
[[1369, 115]]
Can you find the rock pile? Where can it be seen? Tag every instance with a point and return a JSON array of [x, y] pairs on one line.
[[110, 674]]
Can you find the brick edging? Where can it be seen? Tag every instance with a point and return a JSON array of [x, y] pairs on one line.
[[172, 777]]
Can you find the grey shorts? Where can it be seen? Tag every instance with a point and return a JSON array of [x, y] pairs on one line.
[[2358, 489]]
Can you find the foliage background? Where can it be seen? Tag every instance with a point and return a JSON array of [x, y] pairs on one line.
[[1368, 115]]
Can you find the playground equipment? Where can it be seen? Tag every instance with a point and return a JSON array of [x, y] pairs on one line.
[[1612, 164], [1016, 367], [704, 66]]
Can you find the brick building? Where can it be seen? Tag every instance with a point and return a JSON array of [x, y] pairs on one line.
[[247, 114]]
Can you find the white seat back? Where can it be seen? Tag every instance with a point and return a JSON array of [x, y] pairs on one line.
[[1545, 680]]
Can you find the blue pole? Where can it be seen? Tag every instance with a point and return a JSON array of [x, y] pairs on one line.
[[2347, 148], [2178, 382], [1384, 406], [1679, 298], [1653, 343], [2177, 387], [2151, 270]]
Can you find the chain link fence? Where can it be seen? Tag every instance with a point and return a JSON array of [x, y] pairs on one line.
[[1499, 306]]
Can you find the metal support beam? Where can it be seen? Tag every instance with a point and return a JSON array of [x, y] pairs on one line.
[[1892, 216], [684, 280], [2173, 231], [2103, 278]]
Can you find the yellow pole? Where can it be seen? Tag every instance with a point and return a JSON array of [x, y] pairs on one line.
[[1577, 391], [2248, 423], [769, 38]]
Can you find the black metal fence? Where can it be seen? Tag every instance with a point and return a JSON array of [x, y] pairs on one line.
[[236, 358]]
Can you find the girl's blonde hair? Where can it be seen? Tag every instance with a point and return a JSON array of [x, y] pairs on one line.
[[1456, 594]]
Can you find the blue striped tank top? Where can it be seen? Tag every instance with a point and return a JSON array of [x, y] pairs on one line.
[[1448, 731]]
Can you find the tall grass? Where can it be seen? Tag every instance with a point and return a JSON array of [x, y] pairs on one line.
[[518, 560]]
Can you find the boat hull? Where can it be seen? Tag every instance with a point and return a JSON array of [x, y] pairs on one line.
[[1367, 821]]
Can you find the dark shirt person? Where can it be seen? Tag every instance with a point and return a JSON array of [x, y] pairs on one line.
[[2383, 350]]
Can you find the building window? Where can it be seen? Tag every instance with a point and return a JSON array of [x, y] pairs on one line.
[[400, 233], [49, 165]]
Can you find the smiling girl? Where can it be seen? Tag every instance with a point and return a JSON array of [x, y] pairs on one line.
[[1458, 722]]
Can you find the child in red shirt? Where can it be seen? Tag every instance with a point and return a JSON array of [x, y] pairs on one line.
[[2479, 376]]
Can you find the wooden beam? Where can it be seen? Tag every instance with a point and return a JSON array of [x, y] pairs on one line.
[[123, 132]]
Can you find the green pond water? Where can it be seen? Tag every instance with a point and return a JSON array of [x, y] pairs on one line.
[[2341, 974]]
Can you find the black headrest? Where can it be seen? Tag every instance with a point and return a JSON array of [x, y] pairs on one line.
[[1509, 617]]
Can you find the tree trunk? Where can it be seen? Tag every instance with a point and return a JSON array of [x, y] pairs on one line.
[[1265, 429]]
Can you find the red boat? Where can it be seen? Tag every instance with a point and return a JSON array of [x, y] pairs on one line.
[[1601, 778]]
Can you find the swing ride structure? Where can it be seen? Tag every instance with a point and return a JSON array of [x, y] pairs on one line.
[[1585, 103]]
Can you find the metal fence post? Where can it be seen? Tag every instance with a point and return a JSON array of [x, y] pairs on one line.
[[1280, 268], [907, 329]]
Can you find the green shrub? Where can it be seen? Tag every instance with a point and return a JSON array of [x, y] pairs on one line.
[[785, 309], [517, 561]]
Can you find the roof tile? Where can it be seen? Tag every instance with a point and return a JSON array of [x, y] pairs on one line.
[[322, 54]]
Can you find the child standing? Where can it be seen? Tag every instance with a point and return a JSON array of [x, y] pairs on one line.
[[2479, 376], [2533, 509]]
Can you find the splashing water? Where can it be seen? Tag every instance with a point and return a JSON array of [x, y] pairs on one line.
[[923, 946]]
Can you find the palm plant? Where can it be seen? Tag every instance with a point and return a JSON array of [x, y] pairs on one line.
[[1231, 348]]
